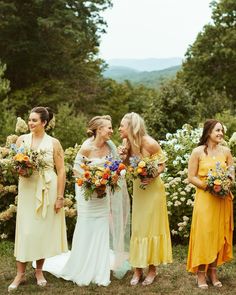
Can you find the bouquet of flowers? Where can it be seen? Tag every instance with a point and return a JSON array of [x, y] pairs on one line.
[[146, 167], [26, 161], [98, 178], [219, 180]]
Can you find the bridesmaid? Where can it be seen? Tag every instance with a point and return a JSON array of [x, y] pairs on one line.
[[150, 240], [211, 235], [40, 222]]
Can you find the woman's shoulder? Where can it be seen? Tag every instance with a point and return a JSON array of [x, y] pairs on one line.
[[150, 144], [198, 151], [225, 150]]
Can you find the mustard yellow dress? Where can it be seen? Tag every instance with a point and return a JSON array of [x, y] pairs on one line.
[[40, 232], [212, 222], [150, 239]]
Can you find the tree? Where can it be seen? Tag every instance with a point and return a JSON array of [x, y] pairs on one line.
[[50, 39], [210, 64], [171, 109]]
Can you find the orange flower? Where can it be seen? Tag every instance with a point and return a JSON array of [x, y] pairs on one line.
[[107, 170], [115, 178], [80, 181], [105, 176], [131, 169], [139, 170], [121, 166], [26, 158], [103, 181], [87, 174]]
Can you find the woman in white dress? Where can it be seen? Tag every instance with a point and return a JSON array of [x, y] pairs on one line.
[[102, 226]]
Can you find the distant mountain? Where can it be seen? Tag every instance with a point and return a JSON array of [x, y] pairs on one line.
[[149, 64], [151, 79], [117, 72]]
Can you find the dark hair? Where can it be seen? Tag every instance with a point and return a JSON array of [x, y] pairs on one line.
[[45, 114], [207, 129]]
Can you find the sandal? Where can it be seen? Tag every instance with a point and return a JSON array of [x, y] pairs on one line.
[[14, 285], [148, 280], [40, 282], [217, 283], [136, 279], [202, 286]]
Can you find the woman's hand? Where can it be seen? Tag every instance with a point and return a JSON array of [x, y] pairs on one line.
[[101, 191], [58, 204], [147, 180], [123, 152]]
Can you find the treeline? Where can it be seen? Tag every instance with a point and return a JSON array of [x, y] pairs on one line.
[[50, 52]]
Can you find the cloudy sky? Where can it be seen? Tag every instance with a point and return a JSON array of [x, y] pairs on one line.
[[152, 28]]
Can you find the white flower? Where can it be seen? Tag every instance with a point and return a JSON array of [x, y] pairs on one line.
[[174, 232], [182, 199], [123, 172], [189, 202], [169, 203], [177, 203], [185, 218], [21, 126], [3, 236], [183, 193]]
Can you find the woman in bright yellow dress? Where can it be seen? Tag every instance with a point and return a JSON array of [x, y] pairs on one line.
[[150, 243], [211, 235], [40, 222]]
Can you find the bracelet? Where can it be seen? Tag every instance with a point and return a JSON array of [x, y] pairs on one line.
[[60, 198]]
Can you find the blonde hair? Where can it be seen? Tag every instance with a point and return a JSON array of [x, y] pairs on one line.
[[136, 130], [95, 123]]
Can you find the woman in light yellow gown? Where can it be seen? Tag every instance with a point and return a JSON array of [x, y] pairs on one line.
[[40, 223], [211, 235], [150, 243]]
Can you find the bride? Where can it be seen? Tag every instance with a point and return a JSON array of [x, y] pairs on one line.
[[101, 236]]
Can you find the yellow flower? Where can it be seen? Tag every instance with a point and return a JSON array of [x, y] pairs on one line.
[[141, 164], [218, 182], [19, 157], [99, 173], [139, 170]]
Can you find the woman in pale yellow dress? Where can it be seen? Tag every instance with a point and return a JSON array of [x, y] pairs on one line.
[[150, 243], [40, 222], [211, 235]]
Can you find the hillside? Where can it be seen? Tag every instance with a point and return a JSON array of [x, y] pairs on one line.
[[151, 79], [148, 64]]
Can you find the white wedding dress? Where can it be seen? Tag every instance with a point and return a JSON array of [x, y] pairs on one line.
[[98, 244]]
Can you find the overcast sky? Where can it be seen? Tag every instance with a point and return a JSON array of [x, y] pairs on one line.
[[152, 28]]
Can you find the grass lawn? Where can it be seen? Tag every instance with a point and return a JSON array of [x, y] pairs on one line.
[[171, 279]]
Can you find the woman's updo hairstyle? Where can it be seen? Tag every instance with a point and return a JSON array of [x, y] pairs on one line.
[[45, 114], [95, 123]]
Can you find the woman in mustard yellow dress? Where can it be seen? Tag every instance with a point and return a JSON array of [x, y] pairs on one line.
[[211, 235], [150, 243]]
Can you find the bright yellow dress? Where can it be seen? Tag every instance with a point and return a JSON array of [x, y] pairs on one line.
[[212, 223], [150, 239], [40, 232]]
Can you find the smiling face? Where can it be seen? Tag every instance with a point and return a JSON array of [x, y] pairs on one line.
[[34, 122], [123, 129], [217, 133], [105, 131]]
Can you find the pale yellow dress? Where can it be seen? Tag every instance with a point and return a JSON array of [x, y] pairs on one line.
[[150, 239], [40, 232], [212, 222]]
